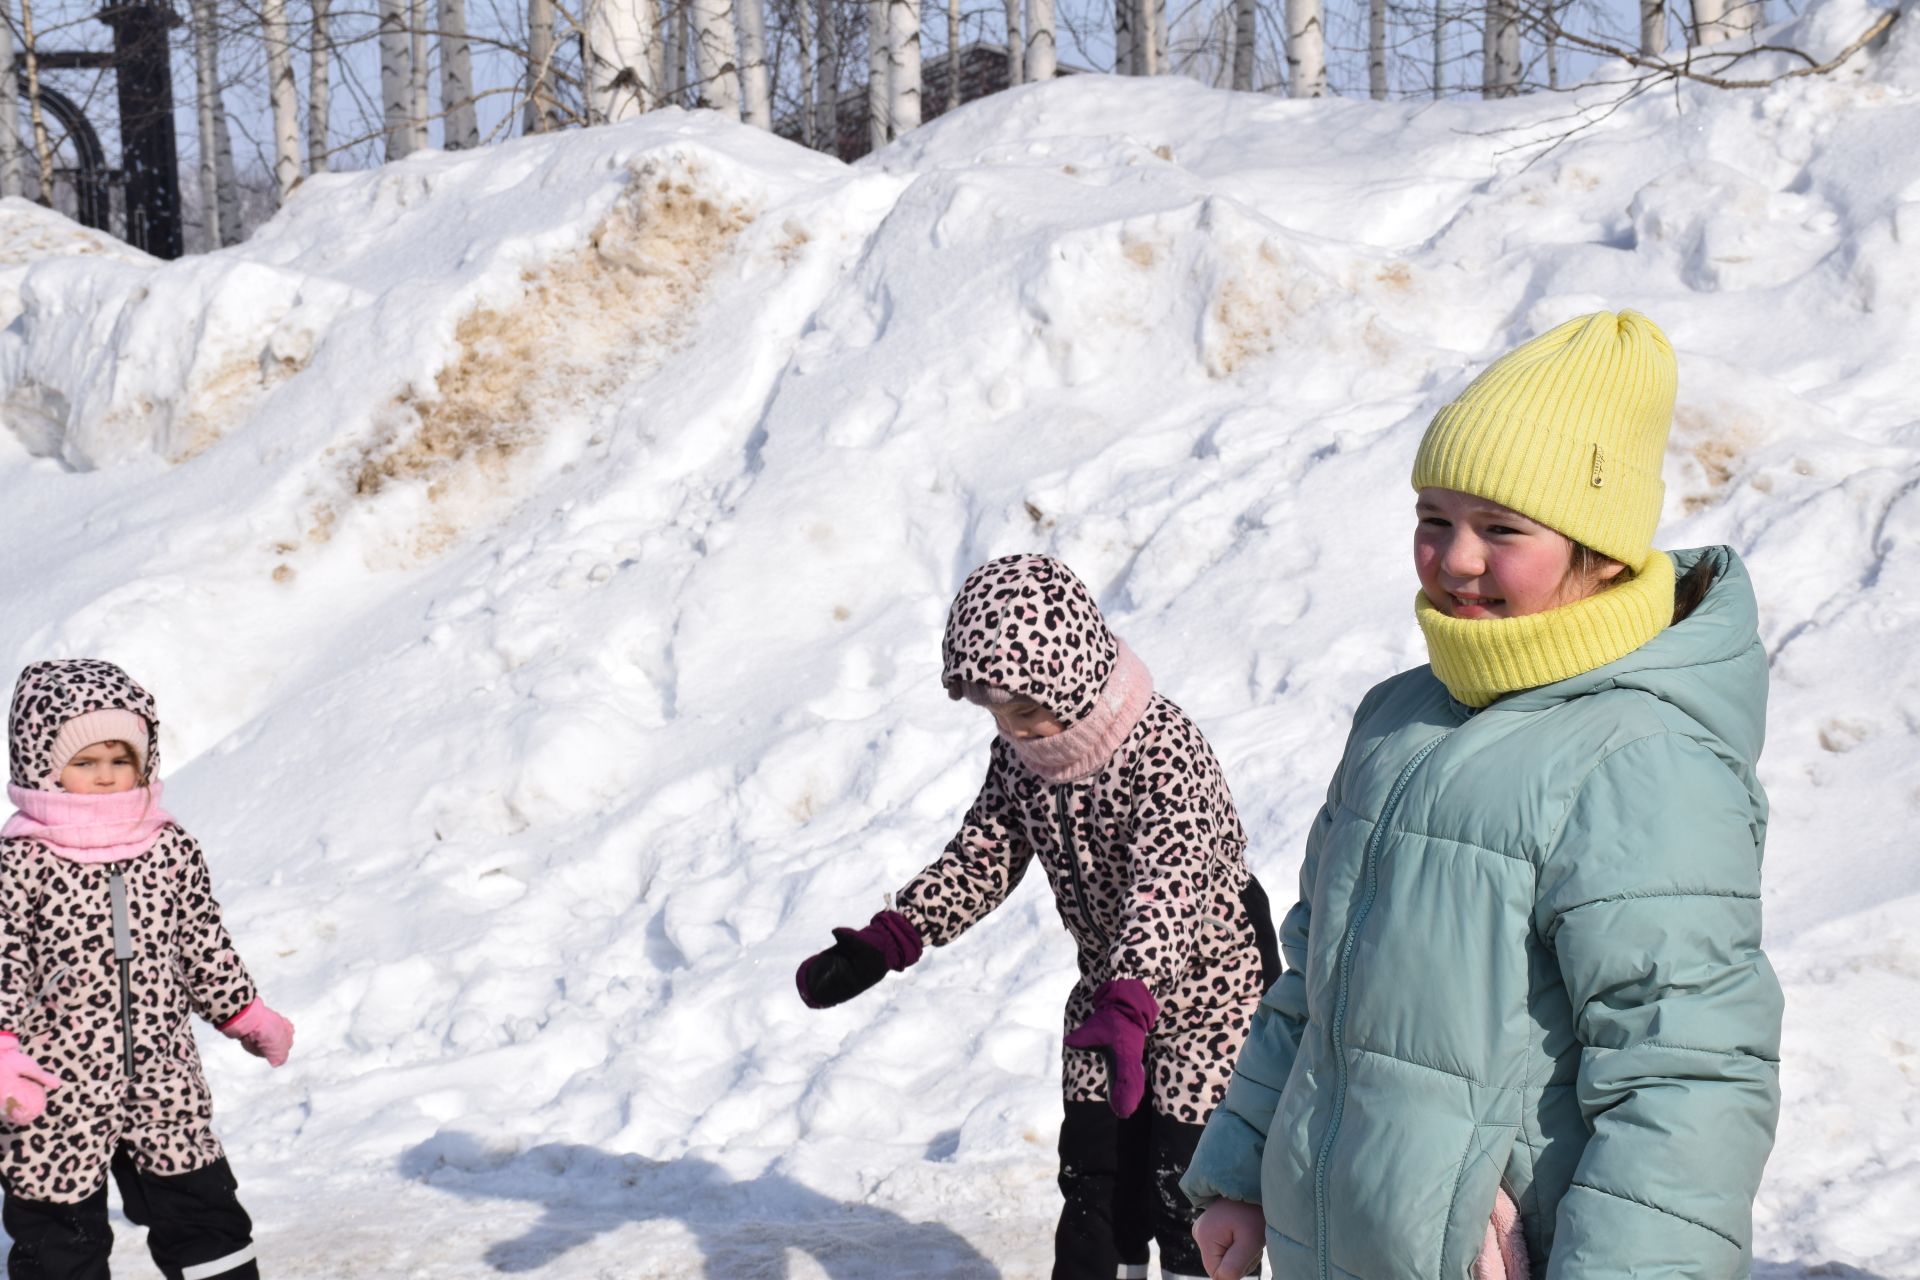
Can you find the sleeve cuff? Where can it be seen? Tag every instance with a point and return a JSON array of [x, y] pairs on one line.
[[240, 1023], [1226, 1164]]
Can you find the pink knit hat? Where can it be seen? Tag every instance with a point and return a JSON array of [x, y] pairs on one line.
[[109, 724], [65, 705]]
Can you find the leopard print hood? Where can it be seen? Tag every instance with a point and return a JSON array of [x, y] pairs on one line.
[[1026, 624], [48, 694]]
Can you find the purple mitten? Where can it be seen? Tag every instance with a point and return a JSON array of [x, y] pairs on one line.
[[1123, 1013], [857, 959]]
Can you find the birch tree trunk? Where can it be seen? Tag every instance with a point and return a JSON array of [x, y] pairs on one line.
[[284, 94], [462, 124], [716, 54], [1156, 15], [1710, 21], [809, 70], [1506, 48], [1439, 49], [657, 51], [1550, 35], [673, 53], [540, 113], [1653, 27], [1123, 52], [42, 144], [953, 55], [1500, 50], [684, 28], [1306, 49], [756, 106], [1377, 50], [1744, 17], [206, 89], [1489, 37], [619, 59], [1016, 45], [13, 181], [319, 88], [1043, 58], [1245, 32], [227, 178], [826, 125], [903, 66], [219, 185], [419, 95], [395, 73], [879, 68]]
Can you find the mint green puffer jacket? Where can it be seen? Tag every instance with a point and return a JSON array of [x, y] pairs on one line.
[[1526, 954]]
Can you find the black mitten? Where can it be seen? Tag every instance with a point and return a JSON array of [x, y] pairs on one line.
[[841, 972]]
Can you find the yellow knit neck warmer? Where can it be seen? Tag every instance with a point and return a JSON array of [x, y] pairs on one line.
[[1480, 659]]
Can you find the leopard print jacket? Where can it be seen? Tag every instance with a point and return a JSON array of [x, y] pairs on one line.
[[60, 984], [1146, 858]]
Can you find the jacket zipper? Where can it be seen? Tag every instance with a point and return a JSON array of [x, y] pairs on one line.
[[1340, 1004], [1073, 867], [123, 960]]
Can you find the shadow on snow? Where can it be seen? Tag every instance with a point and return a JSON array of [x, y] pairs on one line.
[[744, 1229]]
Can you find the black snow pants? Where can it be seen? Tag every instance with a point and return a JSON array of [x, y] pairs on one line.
[[1121, 1180], [196, 1229]]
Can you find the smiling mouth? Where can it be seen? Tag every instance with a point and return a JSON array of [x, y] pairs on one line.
[[1475, 602]]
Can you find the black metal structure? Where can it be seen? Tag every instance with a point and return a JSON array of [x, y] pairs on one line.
[[92, 179], [149, 157], [148, 154]]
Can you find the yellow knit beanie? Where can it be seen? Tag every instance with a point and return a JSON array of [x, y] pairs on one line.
[[1569, 430]]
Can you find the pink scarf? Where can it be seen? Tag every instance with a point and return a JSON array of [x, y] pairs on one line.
[[1084, 747], [89, 828]]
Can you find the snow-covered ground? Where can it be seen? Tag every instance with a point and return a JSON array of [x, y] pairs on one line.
[[539, 555]]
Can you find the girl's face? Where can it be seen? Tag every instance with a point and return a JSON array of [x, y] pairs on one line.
[[1024, 718], [101, 769], [1478, 559]]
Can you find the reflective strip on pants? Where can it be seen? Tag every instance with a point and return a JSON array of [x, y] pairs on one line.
[[218, 1267]]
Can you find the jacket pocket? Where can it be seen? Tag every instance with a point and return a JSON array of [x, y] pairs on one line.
[[1474, 1193]]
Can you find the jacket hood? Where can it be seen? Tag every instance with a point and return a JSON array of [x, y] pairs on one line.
[[1711, 665], [48, 694], [1026, 624]]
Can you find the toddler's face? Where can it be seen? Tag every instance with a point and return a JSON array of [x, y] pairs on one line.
[[101, 769], [1478, 559], [1024, 718]]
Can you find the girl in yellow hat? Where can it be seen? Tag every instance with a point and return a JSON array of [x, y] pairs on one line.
[[1526, 1024]]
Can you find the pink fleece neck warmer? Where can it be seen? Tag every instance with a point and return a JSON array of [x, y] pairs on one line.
[[89, 828], [1503, 1253], [1084, 747]]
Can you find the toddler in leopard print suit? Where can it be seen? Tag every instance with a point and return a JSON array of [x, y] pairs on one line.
[[109, 938], [1116, 792]]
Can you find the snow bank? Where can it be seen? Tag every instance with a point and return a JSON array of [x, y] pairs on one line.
[[539, 555]]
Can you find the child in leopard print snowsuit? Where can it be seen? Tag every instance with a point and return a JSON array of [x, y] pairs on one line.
[[109, 938], [1118, 795]]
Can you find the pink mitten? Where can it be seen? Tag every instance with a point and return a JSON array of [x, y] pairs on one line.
[[261, 1032], [24, 1083]]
